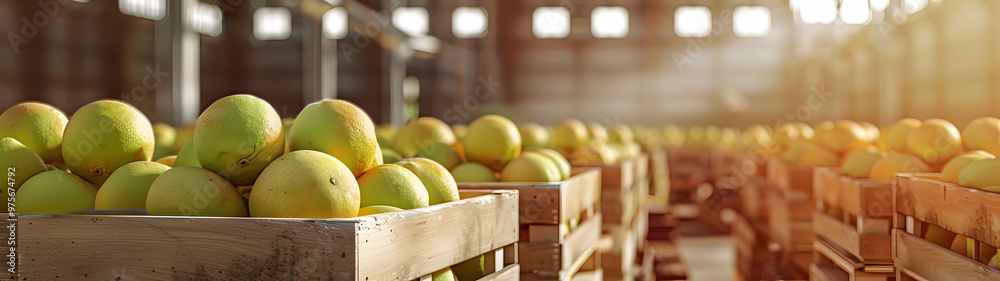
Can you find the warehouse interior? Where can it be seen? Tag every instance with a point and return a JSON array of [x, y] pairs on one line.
[[700, 65]]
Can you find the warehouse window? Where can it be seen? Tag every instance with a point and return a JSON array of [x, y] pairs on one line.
[[411, 20], [879, 5], [205, 18], [468, 22], [913, 6], [147, 9], [272, 23], [609, 22], [818, 11], [751, 21], [335, 23], [855, 12], [693, 21], [550, 22]]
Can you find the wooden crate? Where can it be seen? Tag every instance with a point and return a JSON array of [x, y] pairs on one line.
[[790, 221], [865, 215], [624, 188], [560, 224], [689, 167], [622, 246], [659, 172], [831, 264], [405, 245], [921, 200], [751, 249], [753, 197]]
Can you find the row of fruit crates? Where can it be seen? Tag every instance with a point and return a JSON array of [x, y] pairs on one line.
[[408, 245]]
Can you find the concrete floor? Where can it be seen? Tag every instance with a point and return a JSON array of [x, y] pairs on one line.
[[708, 258]]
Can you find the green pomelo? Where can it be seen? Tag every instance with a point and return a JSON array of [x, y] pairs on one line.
[[54, 192], [187, 156], [338, 128], [37, 126], [377, 209], [305, 184], [559, 160], [237, 136], [104, 135], [127, 187], [442, 153], [163, 140], [19, 160], [473, 172], [421, 133], [530, 167], [441, 186], [392, 185], [191, 191], [493, 141]]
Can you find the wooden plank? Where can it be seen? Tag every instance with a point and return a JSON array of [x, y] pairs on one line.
[[552, 203], [509, 273], [557, 260], [790, 176], [876, 249], [148, 247], [928, 261], [825, 273], [963, 210]]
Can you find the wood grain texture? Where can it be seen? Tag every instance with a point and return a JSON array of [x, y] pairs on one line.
[[870, 249], [394, 246], [552, 203], [559, 260], [509, 273], [926, 261], [860, 197], [968, 211]]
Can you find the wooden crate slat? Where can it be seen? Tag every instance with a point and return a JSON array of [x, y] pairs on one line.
[[967, 211], [557, 260], [868, 248], [509, 273], [932, 262], [790, 176], [551, 203], [147, 247]]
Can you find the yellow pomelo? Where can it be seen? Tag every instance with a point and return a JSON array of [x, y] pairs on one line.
[[184, 135], [385, 133], [980, 173], [958, 163], [37, 126], [191, 191], [286, 128], [570, 134], [960, 245], [17, 159], [305, 184], [441, 186], [843, 135], [983, 134], [859, 164], [940, 236], [54, 192], [935, 141], [896, 139], [796, 149], [805, 132], [819, 156], [460, 131], [995, 261], [49, 167], [558, 159], [470, 270], [442, 153], [821, 132], [421, 133], [392, 185], [187, 156], [872, 131], [377, 209], [712, 134], [530, 167], [533, 135], [237, 136], [104, 135], [444, 275], [673, 135], [492, 141], [163, 139], [622, 134], [597, 132], [882, 143], [729, 138], [390, 156], [167, 160], [785, 134], [473, 172], [127, 187], [884, 168], [338, 128], [695, 137]]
